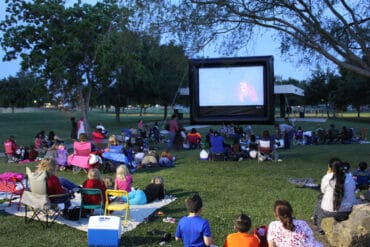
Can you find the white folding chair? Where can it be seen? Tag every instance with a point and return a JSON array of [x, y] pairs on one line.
[[266, 151]]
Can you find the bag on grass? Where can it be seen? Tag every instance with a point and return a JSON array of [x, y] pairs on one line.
[[72, 214]]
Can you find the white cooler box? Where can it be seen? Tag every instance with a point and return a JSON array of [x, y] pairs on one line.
[[104, 230]]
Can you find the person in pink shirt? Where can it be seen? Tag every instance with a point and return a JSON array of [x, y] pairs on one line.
[[173, 128], [123, 179]]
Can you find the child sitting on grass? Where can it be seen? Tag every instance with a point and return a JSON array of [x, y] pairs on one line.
[[123, 179], [362, 176], [193, 230], [241, 237]]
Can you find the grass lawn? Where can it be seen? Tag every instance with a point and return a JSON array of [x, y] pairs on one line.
[[227, 188]]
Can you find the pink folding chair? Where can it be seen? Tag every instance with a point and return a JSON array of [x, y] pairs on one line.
[[8, 150], [80, 157]]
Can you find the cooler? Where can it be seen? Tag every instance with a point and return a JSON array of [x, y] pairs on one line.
[[104, 231]]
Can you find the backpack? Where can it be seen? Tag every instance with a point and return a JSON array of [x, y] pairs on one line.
[[72, 214], [261, 233]]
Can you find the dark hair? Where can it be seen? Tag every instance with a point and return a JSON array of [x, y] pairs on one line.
[[346, 167], [362, 165], [339, 177], [82, 137], [284, 211], [332, 161], [193, 130], [194, 204], [266, 134], [253, 138], [242, 223]]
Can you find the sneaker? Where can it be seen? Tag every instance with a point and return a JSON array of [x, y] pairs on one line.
[[240, 159], [169, 220]]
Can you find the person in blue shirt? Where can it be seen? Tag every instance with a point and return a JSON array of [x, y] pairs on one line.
[[218, 145], [362, 176], [193, 230]]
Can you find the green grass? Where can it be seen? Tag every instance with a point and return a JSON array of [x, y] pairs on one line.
[[227, 188]]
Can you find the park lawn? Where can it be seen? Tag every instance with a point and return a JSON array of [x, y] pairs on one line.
[[227, 188]]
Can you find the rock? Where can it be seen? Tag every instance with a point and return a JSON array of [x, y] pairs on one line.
[[354, 232]]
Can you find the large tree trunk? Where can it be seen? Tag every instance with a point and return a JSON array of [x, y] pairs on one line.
[[84, 95], [117, 111], [165, 111], [358, 111]]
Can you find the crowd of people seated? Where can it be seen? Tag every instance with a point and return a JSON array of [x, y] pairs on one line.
[[332, 135], [337, 187]]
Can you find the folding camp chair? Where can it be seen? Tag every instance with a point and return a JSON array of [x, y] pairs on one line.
[[14, 186], [38, 201], [80, 158], [266, 151], [118, 204]]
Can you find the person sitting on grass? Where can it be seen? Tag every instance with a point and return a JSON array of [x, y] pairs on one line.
[[123, 179], [166, 159], [287, 231], [241, 237], [362, 176], [193, 230], [153, 191], [338, 194], [218, 146], [194, 138]]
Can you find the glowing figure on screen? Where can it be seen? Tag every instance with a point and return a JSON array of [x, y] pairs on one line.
[[246, 92]]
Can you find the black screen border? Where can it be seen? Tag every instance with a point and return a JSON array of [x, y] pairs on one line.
[[232, 114]]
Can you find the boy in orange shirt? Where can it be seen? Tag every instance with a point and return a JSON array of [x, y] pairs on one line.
[[241, 237]]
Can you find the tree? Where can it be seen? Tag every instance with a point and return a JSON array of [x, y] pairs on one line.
[[355, 88], [321, 89], [169, 65], [59, 43], [121, 67], [22, 90], [336, 30]]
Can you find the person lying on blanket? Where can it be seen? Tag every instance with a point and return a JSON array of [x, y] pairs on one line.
[[153, 191]]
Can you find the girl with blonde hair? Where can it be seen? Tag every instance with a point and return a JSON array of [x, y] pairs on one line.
[[123, 179], [94, 181], [112, 141], [54, 184]]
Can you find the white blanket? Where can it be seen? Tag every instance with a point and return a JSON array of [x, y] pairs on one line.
[[137, 215]]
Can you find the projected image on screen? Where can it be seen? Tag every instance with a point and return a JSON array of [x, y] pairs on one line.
[[231, 86]]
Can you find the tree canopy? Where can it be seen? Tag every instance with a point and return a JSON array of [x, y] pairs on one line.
[[336, 30]]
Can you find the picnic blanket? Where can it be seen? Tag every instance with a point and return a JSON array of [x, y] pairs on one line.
[[304, 182], [138, 213]]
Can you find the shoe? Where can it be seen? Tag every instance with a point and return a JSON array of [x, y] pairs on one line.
[[169, 220], [240, 159], [166, 237]]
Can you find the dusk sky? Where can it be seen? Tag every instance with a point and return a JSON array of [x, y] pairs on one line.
[[263, 46]]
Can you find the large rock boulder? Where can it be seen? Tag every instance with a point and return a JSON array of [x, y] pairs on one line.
[[354, 232]]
